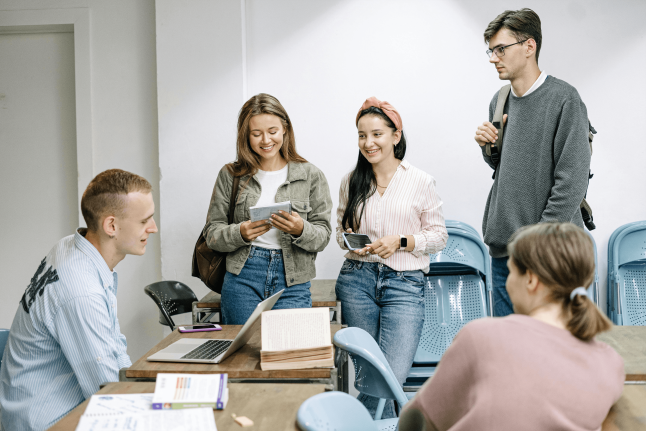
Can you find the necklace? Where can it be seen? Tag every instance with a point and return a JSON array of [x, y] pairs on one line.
[[383, 187]]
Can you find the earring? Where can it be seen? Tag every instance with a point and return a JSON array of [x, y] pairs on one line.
[[112, 236]]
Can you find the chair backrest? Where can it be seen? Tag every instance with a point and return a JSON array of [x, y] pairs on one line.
[[456, 291], [461, 225], [464, 253], [334, 411], [373, 375], [593, 289], [172, 297], [628, 281], [4, 336], [450, 302], [611, 291]]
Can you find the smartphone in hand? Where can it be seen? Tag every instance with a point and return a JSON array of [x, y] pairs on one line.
[[200, 328], [356, 241]]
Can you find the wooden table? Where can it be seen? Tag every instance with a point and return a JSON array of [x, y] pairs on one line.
[[241, 366], [270, 406], [322, 291], [629, 413], [630, 343]]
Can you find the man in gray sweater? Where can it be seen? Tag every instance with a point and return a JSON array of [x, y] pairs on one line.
[[543, 171]]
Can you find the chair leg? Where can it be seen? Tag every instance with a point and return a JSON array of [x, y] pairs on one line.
[[380, 408]]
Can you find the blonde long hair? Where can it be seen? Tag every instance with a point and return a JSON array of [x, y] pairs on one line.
[[247, 161], [561, 255]]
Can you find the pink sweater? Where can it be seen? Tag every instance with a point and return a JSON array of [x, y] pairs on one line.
[[518, 373]]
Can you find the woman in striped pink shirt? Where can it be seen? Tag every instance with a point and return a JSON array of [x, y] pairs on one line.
[[382, 285]]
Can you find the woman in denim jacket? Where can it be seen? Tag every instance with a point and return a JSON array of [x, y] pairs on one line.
[[261, 260], [381, 287]]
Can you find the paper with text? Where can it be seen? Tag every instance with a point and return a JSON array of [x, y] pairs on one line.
[[161, 420], [119, 404]]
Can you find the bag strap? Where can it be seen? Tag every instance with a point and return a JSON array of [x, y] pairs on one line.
[[234, 196], [494, 150], [497, 116], [591, 133]]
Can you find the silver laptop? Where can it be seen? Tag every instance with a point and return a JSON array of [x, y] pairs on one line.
[[214, 351]]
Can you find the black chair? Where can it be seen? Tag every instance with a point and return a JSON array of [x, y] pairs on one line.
[[172, 297]]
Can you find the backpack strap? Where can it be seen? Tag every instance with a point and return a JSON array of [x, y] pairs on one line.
[[586, 214], [591, 133], [495, 150], [234, 196], [497, 116]]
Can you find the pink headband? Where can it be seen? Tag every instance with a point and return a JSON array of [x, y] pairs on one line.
[[388, 109]]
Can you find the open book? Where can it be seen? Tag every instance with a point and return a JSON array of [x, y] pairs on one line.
[[296, 338]]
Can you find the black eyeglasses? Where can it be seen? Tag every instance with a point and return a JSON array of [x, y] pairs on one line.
[[500, 50]]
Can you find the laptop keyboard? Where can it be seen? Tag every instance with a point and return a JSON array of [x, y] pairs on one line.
[[209, 350]]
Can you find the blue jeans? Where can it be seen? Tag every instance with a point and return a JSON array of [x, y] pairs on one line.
[[502, 305], [263, 275], [389, 305]]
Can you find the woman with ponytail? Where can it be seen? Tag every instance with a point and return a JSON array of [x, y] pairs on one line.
[[382, 285], [538, 369]]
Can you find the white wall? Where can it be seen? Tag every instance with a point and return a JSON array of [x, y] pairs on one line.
[[323, 59], [39, 163], [199, 76], [124, 132]]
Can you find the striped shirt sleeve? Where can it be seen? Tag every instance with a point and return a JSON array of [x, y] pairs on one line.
[[433, 236]]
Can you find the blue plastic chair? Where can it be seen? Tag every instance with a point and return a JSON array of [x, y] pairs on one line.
[[4, 336], [461, 225], [338, 411], [458, 290], [593, 290], [611, 291], [610, 298], [372, 373], [627, 275]]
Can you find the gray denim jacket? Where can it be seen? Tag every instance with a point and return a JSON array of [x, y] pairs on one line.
[[307, 189]]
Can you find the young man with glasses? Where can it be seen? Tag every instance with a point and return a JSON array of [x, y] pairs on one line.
[[542, 173]]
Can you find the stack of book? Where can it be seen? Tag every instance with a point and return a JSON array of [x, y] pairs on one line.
[[296, 339]]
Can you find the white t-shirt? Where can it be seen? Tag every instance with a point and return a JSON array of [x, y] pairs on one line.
[[539, 81], [269, 183]]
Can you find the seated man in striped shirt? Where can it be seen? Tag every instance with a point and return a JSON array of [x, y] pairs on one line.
[[65, 338]]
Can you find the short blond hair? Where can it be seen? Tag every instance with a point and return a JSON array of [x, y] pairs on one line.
[[105, 195], [561, 255]]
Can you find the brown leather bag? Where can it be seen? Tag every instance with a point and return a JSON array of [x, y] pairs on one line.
[[209, 265]]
